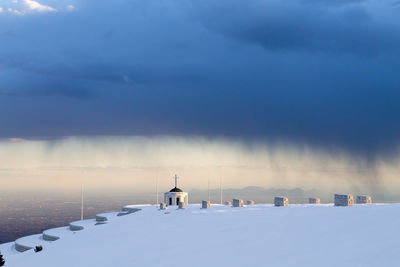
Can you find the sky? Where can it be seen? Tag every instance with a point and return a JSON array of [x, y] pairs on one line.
[[311, 84]]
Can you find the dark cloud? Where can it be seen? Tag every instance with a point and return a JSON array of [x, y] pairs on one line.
[[351, 27], [317, 72]]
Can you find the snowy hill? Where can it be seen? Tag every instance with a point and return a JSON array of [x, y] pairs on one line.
[[258, 235]]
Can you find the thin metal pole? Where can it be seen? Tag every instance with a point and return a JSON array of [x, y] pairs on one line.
[[82, 200], [157, 190], [208, 188], [220, 189]]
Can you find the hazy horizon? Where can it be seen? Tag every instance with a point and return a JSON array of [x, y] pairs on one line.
[[138, 162]]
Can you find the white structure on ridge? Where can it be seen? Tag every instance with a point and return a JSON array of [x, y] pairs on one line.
[[250, 202], [205, 204], [344, 200], [314, 200], [281, 201], [237, 202], [175, 195], [163, 206], [363, 200]]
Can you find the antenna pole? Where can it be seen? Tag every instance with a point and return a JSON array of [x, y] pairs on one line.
[[208, 188], [220, 188], [157, 190], [82, 200]]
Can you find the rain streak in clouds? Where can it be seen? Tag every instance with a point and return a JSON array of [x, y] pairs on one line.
[[321, 73]]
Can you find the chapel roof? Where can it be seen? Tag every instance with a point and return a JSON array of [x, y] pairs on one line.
[[175, 189]]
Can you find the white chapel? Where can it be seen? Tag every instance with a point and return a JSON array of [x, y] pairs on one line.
[[175, 195]]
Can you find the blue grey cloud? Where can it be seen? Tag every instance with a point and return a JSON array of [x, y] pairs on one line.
[[353, 27], [317, 72]]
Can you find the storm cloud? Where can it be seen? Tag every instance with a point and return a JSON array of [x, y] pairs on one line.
[[321, 73]]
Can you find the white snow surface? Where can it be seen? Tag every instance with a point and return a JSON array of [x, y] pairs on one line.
[[8, 249], [257, 235]]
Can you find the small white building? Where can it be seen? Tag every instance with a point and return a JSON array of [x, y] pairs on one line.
[[237, 202], [281, 201], [344, 200], [250, 202], [314, 200], [205, 204], [363, 200], [175, 195]]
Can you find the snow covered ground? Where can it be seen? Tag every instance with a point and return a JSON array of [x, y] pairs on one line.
[[259, 235]]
